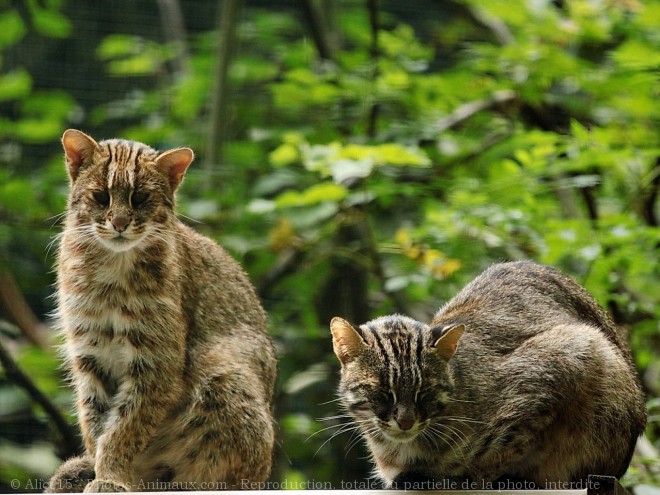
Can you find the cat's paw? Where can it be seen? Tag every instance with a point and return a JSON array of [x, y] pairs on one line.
[[106, 486], [72, 476]]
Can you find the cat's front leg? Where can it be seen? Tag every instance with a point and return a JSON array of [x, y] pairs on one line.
[[143, 399], [92, 403]]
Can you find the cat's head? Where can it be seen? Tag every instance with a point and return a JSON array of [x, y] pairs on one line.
[[394, 374], [121, 191]]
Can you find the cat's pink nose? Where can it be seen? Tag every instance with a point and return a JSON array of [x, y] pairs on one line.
[[405, 423], [120, 223]]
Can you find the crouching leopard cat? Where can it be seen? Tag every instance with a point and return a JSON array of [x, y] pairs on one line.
[[521, 376], [165, 338]]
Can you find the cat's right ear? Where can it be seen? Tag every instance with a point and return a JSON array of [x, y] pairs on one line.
[[78, 148], [447, 344], [346, 341]]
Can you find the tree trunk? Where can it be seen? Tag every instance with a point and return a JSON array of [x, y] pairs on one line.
[[174, 31], [219, 114]]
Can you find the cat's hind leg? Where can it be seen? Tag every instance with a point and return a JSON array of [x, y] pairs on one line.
[[72, 476], [223, 440], [537, 385], [554, 413]]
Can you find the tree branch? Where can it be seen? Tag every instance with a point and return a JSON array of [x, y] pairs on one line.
[[16, 307], [287, 263], [483, 19], [590, 202], [69, 442], [486, 143], [492, 23], [467, 110]]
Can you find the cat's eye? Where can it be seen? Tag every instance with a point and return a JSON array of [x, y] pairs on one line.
[[138, 198], [388, 397], [101, 197]]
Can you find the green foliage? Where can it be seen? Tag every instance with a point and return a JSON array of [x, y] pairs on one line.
[[12, 28], [370, 182], [132, 55]]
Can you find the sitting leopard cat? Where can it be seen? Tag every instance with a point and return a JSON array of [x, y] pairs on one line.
[[165, 338]]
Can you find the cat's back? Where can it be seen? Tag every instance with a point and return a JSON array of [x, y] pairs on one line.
[[537, 346], [526, 298], [224, 316]]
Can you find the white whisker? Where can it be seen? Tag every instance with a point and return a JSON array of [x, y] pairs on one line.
[[189, 218], [338, 416], [445, 437], [338, 399]]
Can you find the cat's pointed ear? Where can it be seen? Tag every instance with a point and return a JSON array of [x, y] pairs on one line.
[[78, 150], [346, 341], [174, 163], [447, 343]]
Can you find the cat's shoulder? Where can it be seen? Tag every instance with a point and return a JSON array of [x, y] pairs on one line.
[[204, 253], [196, 241]]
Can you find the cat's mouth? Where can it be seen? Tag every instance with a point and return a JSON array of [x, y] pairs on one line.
[[121, 242], [400, 436]]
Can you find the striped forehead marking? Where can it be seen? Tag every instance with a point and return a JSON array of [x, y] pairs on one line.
[[400, 349], [122, 164]]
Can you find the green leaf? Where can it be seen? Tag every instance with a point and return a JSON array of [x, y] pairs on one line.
[[132, 55], [51, 23], [43, 367], [635, 54], [395, 154], [38, 130], [16, 194], [12, 28], [580, 132], [118, 45], [139, 65], [15, 85], [402, 42], [189, 95], [53, 104], [285, 154], [319, 193], [253, 70]]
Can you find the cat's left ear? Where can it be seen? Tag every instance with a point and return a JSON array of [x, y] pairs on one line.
[[174, 163], [346, 341], [447, 344]]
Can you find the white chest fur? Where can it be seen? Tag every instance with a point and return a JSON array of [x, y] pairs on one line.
[[104, 338]]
